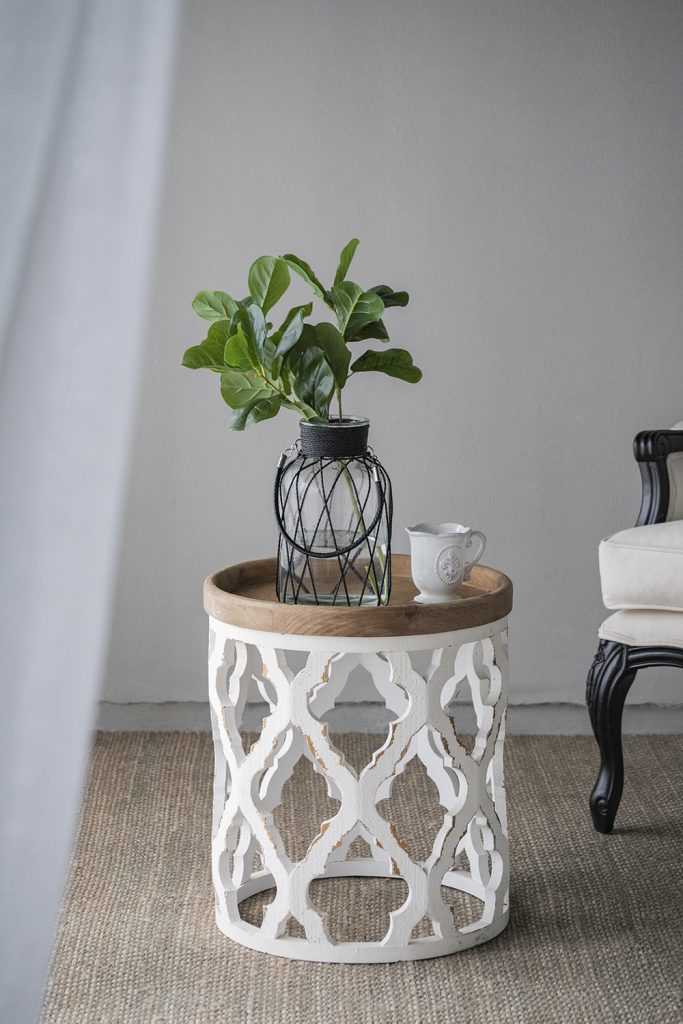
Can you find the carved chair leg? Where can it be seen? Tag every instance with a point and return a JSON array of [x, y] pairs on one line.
[[609, 680]]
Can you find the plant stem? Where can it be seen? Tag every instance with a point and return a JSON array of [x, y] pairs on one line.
[[303, 410], [339, 403], [372, 575]]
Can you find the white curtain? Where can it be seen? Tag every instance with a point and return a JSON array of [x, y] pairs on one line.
[[84, 89]]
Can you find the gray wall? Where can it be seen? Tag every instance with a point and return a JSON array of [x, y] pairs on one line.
[[518, 167]]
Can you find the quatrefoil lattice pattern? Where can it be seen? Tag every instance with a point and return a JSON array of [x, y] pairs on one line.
[[248, 852]]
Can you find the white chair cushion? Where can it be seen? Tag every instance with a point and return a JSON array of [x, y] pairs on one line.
[[643, 567], [644, 629]]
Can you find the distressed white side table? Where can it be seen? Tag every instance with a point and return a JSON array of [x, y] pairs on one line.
[[300, 658]]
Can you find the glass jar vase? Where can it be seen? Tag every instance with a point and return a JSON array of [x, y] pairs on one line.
[[333, 507]]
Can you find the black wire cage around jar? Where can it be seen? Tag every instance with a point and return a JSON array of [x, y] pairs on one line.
[[333, 508]]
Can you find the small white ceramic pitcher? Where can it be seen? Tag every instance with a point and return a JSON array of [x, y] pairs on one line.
[[441, 557]]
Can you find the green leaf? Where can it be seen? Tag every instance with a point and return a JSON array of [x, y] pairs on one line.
[[377, 330], [355, 308], [307, 339], [345, 260], [240, 352], [214, 305], [337, 352], [289, 337], [389, 297], [259, 331], [207, 356], [326, 337], [314, 380], [394, 361], [304, 310], [240, 388], [302, 409], [280, 334], [284, 377], [219, 332], [304, 271], [253, 324], [255, 412], [268, 281]]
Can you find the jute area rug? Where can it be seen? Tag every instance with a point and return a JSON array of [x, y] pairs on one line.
[[595, 935]]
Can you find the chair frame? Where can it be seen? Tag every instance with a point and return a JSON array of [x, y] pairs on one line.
[[615, 665]]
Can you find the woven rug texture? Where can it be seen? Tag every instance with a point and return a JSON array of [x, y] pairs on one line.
[[596, 928]]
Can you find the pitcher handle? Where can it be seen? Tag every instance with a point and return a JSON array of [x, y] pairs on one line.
[[476, 536]]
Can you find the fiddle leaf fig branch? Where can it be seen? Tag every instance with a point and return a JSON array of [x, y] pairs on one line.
[[299, 365]]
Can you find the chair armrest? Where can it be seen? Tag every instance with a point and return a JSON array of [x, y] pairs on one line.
[[651, 449]]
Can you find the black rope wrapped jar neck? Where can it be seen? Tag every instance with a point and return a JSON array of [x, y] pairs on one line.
[[342, 439]]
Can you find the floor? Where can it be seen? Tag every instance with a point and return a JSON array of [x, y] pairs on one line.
[[596, 930]]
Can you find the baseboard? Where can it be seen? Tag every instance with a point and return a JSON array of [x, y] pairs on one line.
[[523, 719]]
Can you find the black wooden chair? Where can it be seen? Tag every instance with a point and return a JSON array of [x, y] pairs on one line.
[[641, 572]]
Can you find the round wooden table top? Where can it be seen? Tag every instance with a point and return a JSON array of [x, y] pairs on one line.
[[244, 595]]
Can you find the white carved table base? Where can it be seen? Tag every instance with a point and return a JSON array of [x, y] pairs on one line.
[[248, 787]]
